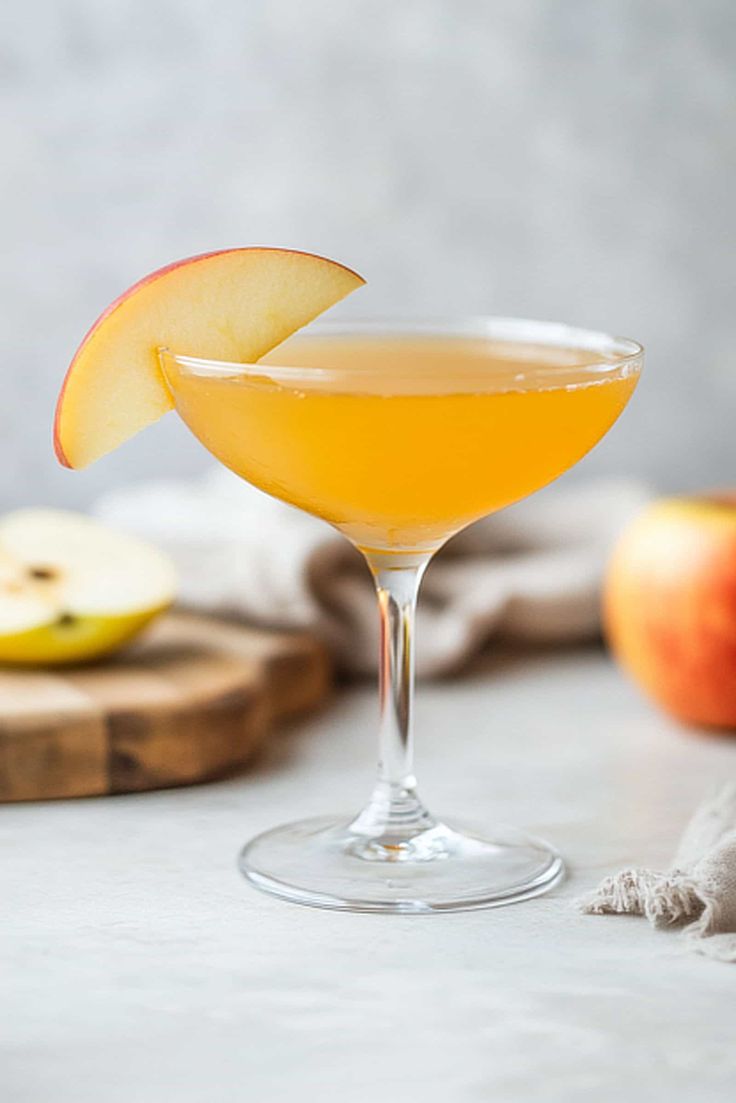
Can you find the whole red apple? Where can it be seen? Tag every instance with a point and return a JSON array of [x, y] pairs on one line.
[[670, 606]]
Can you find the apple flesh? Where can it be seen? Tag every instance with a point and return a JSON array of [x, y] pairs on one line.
[[670, 607], [72, 589], [234, 305]]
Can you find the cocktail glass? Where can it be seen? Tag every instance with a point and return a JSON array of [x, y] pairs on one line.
[[400, 435]]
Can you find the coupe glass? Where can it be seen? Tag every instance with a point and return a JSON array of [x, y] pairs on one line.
[[400, 434]]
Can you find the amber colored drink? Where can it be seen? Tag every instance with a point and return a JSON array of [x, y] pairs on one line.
[[400, 441]]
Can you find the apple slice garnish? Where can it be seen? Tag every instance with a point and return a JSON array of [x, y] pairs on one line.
[[234, 305], [72, 589]]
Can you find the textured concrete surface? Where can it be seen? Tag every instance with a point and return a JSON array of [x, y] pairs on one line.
[[138, 967], [574, 161]]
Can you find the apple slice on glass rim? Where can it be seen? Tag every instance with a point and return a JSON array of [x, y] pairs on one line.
[[235, 304]]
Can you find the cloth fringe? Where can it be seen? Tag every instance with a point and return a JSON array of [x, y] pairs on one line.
[[698, 893]]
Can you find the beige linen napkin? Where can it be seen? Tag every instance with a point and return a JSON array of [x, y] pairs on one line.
[[531, 572], [698, 892]]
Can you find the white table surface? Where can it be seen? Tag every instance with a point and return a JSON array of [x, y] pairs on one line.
[[140, 968]]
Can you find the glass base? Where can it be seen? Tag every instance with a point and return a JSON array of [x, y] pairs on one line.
[[333, 863]]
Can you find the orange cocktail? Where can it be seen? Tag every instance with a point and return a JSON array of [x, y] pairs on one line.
[[399, 435], [401, 440]]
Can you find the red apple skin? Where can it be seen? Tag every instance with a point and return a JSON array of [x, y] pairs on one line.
[[58, 449], [150, 278], [670, 607]]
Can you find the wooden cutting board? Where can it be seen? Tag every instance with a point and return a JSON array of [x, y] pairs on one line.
[[193, 700]]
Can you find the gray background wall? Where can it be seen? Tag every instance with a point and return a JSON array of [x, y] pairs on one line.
[[566, 159]]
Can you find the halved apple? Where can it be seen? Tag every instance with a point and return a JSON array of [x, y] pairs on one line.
[[72, 589], [236, 304]]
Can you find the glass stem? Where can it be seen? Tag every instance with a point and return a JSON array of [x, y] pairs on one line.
[[395, 813]]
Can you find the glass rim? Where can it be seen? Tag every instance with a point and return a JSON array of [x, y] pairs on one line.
[[627, 354]]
